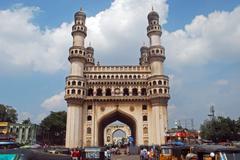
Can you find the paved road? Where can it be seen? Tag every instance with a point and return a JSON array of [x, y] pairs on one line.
[[125, 157]]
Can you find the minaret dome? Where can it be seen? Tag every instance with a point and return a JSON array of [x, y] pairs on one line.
[[153, 16], [80, 14], [143, 49]]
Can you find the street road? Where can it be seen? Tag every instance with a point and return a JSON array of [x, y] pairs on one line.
[[125, 157]]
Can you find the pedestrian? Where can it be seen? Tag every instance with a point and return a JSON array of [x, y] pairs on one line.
[[107, 154], [145, 154], [78, 154], [45, 147], [142, 154], [74, 154], [151, 154]]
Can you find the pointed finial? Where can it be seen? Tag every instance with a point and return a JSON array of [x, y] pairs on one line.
[[98, 63], [152, 8], [81, 9], [89, 44]]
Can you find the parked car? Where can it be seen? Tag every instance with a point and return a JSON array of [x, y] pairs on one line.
[[9, 145], [30, 154], [59, 150]]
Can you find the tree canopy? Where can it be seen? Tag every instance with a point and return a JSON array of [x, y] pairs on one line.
[[221, 129], [53, 128], [8, 113], [26, 121]]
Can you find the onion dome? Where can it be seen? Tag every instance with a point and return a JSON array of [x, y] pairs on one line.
[[143, 49], [90, 48], [153, 16], [80, 14]]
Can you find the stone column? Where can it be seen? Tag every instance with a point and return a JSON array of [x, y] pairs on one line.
[[74, 131], [160, 122], [164, 124], [156, 123]]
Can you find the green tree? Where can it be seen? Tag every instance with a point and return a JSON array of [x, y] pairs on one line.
[[238, 124], [220, 129], [8, 113], [26, 121], [53, 128]]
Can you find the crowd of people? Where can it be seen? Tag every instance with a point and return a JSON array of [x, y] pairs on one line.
[[147, 155]]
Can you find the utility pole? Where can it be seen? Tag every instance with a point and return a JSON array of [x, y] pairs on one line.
[[212, 112], [212, 117]]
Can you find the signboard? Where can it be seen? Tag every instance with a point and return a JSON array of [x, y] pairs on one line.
[[4, 127], [92, 152], [91, 155], [3, 124], [130, 138], [92, 149]]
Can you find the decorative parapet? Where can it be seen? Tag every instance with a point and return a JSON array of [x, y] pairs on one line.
[[122, 69], [116, 98]]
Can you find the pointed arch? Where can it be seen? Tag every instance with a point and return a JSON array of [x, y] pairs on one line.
[[112, 117]]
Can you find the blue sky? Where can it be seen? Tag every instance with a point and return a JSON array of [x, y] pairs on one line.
[[201, 40]]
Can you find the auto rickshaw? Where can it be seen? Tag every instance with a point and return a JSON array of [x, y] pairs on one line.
[[171, 152], [216, 152]]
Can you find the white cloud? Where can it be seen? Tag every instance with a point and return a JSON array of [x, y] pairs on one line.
[[23, 116], [125, 21], [116, 33], [207, 39], [55, 102], [222, 82], [34, 119], [119, 31], [40, 117], [25, 46]]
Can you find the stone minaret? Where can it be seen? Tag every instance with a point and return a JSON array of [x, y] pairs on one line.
[[75, 82], [143, 60], [158, 88], [90, 58]]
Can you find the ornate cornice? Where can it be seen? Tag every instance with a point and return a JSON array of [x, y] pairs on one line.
[[73, 100], [73, 77], [153, 58], [116, 98], [154, 77], [157, 101]]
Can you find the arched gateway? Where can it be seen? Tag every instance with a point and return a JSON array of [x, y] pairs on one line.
[[99, 95], [117, 132], [112, 117]]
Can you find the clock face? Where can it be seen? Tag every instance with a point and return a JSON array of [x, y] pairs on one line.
[[117, 91]]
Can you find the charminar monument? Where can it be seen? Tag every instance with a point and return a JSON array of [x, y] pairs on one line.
[[136, 95]]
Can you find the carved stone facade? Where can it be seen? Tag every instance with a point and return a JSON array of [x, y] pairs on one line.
[[98, 95], [113, 128]]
